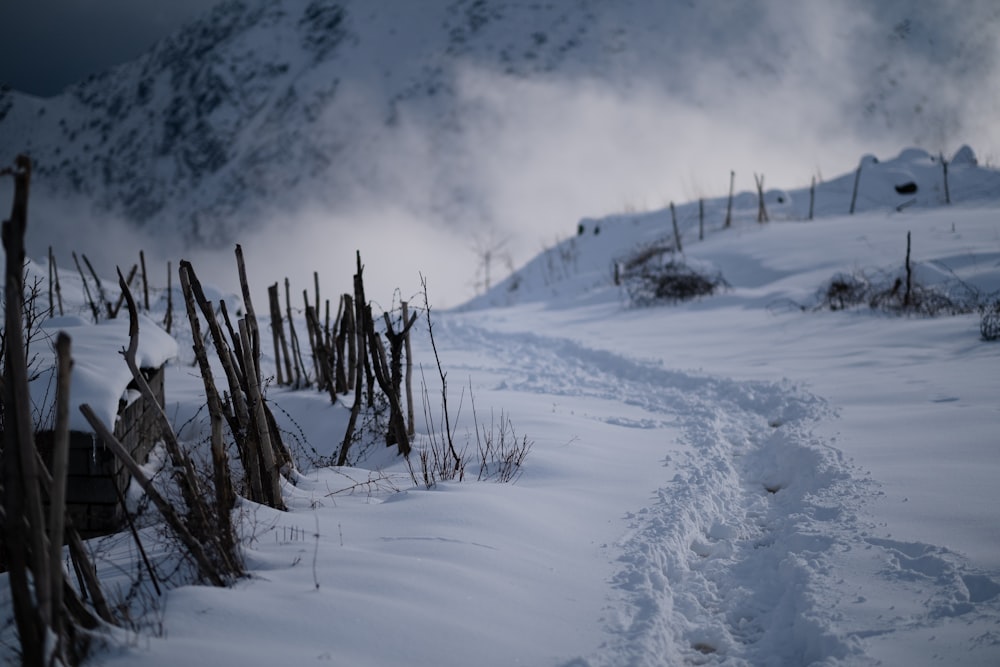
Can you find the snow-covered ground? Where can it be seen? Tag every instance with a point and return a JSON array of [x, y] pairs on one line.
[[730, 481]]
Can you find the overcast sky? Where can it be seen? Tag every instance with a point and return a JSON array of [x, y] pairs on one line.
[[45, 45]]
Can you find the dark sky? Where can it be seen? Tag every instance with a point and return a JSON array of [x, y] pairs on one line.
[[46, 45]]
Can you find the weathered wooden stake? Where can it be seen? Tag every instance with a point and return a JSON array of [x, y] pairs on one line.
[[26, 543], [944, 167], [168, 319], [193, 545], [100, 286], [812, 197], [86, 291], [410, 424], [677, 233], [301, 377], [113, 310], [857, 181], [270, 475], [701, 219], [909, 274], [729, 205], [145, 282], [278, 333], [761, 208], [60, 465]]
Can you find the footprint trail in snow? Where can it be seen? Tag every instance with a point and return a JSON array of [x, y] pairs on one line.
[[751, 553]]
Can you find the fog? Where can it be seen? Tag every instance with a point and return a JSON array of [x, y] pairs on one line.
[[804, 91]]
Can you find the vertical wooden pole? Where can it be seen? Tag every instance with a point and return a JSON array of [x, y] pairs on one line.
[[812, 197], [857, 181], [270, 475], [86, 290], [301, 377], [24, 523], [909, 274], [60, 464], [729, 205], [272, 293], [251, 316], [701, 219], [168, 319], [312, 330], [410, 425], [350, 333], [100, 286], [677, 233], [761, 207], [145, 281], [944, 167], [55, 278]]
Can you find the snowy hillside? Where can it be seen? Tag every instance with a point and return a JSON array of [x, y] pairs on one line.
[[262, 106], [742, 479], [581, 268]]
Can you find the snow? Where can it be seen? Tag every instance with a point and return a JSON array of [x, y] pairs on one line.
[[99, 376], [736, 480]]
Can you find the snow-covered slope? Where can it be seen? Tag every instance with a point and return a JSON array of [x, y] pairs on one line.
[[261, 104], [728, 481], [581, 269]]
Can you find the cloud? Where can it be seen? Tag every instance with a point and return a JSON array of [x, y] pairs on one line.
[[783, 89]]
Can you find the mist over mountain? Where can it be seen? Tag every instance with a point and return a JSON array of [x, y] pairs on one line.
[[509, 119]]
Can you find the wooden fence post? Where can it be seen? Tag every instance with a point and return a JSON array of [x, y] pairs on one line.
[[677, 233], [145, 281], [812, 197], [729, 205], [761, 208], [857, 181]]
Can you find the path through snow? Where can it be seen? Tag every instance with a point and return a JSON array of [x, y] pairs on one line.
[[758, 550]]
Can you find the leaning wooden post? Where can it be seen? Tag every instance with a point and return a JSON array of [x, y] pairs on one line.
[[145, 282], [168, 319], [312, 329], [86, 291], [349, 327], [224, 497], [857, 181], [251, 316], [909, 274], [55, 275], [100, 286], [60, 465], [761, 208], [300, 367], [278, 334], [944, 167], [184, 469], [812, 197], [324, 364], [193, 545], [24, 523], [701, 219], [729, 205], [316, 287], [410, 425], [113, 311], [677, 233], [270, 476], [52, 300]]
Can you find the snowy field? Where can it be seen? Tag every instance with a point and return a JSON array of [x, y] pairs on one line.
[[736, 480]]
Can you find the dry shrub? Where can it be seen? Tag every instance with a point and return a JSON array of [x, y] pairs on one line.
[[889, 294], [654, 274], [989, 319]]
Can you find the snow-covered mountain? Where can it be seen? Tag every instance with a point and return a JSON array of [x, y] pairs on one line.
[[261, 104]]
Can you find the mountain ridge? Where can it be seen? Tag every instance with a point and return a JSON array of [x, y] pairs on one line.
[[260, 104]]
